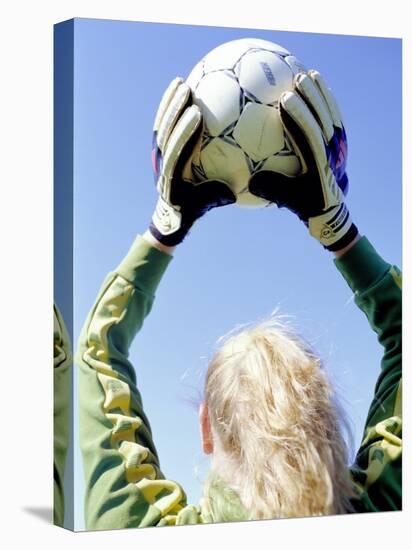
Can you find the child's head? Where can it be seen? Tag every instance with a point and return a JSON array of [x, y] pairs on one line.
[[271, 422]]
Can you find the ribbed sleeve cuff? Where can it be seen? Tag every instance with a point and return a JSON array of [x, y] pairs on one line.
[[362, 266], [144, 265]]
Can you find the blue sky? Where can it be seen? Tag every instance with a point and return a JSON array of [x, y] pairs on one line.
[[237, 265]]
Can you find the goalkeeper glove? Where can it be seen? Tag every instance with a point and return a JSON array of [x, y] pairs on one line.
[[177, 131], [312, 122]]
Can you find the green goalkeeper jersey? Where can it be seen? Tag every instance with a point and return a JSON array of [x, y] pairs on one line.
[[125, 486]]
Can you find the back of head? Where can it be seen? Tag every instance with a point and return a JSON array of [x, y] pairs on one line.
[[276, 426]]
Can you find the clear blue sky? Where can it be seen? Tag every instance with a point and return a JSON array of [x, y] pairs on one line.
[[238, 265]]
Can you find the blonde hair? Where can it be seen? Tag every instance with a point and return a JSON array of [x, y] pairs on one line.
[[276, 425]]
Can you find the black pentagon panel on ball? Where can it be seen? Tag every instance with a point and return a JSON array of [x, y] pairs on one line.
[[250, 163], [242, 100], [229, 139], [258, 165], [249, 97], [205, 140], [288, 146], [228, 130]]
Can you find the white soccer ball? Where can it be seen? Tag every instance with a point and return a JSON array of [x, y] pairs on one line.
[[237, 87]]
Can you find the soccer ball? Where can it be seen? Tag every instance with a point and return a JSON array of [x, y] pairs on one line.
[[237, 86]]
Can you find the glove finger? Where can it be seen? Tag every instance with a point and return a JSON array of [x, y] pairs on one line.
[[179, 147], [338, 146], [328, 97], [303, 130], [164, 102], [316, 103], [178, 102]]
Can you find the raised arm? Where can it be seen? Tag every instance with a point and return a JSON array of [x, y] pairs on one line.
[[377, 471], [122, 471], [125, 486], [312, 120]]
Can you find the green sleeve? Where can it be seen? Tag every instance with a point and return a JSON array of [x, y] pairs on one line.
[[124, 483], [377, 287], [62, 359]]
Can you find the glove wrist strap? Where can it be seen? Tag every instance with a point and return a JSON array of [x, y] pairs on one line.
[[166, 225], [334, 229]]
